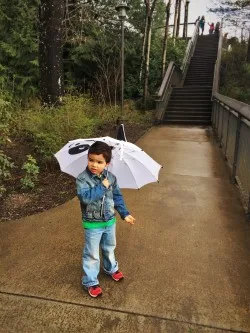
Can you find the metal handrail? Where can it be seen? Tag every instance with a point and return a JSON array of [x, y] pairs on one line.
[[190, 50], [231, 123], [217, 65], [237, 106], [166, 80], [240, 108], [171, 78]]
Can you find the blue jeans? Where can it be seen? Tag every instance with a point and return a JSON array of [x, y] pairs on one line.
[[95, 238]]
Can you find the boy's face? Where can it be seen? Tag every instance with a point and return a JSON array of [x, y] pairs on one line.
[[96, 163]]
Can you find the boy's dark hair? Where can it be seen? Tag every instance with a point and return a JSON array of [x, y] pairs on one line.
[[103, 148]]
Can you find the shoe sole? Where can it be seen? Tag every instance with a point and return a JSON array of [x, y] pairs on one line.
[[117, 280], [94, 296]]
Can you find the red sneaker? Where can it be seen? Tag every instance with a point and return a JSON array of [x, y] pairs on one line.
[[117, 276], [95, 291]]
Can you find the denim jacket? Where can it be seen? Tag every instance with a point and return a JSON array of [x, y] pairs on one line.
[[98, 203]]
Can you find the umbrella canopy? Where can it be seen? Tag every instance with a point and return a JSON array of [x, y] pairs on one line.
[[132, 167]]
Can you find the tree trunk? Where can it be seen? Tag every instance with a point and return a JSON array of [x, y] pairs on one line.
[[178, 19], [175, 17], [147, 60], [185, 28], [248, 49], [51, 14], [143, 48], [164, 53], [150, 12]]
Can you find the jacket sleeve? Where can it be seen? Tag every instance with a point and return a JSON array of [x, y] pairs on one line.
[[86, 193], [119, 203]]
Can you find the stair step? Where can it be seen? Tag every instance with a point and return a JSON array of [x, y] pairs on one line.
[[188, 117], [200, 71], [197, 67], [201, 65], [191, 97], [198, 82], [193, 104], [196, 90], [194, 99], [203, 59], [210, 47], [199, 75], [194, 93], [192, 84], [189, 109], [186, 122], [183, 100], [198, 114], [198, 78], [190, 121], [205, 66], [209, 86], [186, 90], [206, 50]]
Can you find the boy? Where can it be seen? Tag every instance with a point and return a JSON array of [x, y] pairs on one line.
[[99, 195]]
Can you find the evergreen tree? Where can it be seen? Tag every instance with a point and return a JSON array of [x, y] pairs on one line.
[[19, 47], [51, 16]]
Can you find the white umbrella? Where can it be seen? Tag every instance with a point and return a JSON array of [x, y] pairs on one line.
[[132, 167]]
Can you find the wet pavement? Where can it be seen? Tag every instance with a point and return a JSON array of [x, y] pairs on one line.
[[186, 261]]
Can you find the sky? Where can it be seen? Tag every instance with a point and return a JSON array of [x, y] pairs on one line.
[[196, 8], [199, 8]]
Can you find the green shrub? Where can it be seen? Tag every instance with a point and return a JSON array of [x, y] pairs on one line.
[[31, 171], [5, 117], [235, 73], [47, 130], [6, 165], [50, 128]]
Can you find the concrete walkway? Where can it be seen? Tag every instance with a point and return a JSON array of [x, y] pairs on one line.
[[186, 261]]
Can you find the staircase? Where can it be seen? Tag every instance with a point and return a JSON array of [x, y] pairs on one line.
[[192, 104]]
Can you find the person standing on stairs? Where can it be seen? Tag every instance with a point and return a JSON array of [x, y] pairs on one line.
[[217, 29], [202, 24], [211, 28]]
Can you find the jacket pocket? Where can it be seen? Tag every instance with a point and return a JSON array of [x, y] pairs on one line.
[[89, 215]]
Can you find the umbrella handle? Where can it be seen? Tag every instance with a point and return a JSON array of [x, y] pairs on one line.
[[122, 149], [107, 172]]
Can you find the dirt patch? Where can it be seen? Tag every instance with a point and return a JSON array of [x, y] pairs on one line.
[[54, 187]]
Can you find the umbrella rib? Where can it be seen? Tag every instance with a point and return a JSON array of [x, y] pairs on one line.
[[144, 165], [131, 173]]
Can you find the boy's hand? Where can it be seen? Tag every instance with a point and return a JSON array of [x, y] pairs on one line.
[[106, 182], [130, 219]]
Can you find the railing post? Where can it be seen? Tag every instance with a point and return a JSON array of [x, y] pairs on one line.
[[222, 122], [228, 120], [236, 149], [212, 116], [248, 208], [218, 118]]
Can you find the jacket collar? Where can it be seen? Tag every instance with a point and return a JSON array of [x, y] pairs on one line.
[[102, 175]]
